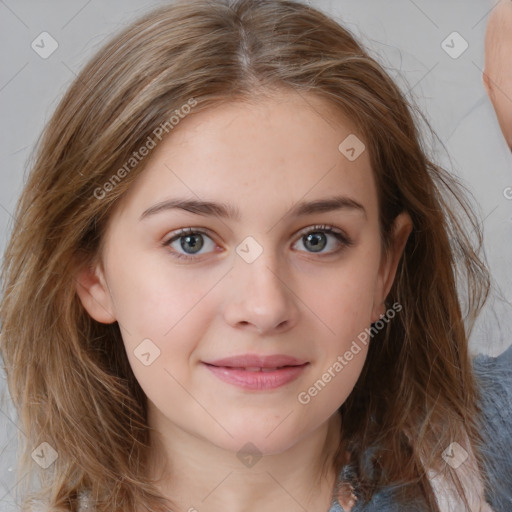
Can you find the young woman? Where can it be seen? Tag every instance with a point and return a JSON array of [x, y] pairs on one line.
[[233, 283], [497, 74]]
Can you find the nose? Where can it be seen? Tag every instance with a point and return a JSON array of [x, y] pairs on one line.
[[261, 297]]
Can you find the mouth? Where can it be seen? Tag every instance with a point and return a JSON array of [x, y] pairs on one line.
[[257, 372]]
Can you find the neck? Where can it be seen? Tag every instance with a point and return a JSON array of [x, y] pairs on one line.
[[196, 475]]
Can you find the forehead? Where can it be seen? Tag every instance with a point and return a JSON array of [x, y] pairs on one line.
[[271, 152]]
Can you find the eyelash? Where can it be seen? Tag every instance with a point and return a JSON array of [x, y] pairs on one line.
[[323, 228]]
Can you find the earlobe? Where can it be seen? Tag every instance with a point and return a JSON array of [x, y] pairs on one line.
[[92, 289], [402, 228]]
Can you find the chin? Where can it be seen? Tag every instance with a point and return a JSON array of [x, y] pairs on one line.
[[260, 438]]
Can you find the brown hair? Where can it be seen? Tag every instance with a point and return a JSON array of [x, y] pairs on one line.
[[69, 376]]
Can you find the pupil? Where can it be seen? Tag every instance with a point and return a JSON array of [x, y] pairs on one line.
[[316, 241], [195, 242]]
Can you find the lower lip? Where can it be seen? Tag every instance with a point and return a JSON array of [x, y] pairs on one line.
[[257, 380]]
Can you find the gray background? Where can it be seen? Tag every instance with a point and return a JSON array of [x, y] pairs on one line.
[[404, 35]]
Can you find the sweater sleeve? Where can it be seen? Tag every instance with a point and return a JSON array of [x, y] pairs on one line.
[[494, 377]]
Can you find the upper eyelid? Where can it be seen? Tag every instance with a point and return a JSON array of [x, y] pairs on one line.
[[316, 227]]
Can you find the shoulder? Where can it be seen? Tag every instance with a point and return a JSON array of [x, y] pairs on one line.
[[387, 499], [494, 378], [494, 375]]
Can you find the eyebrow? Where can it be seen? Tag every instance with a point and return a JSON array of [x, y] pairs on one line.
[[226, 211]]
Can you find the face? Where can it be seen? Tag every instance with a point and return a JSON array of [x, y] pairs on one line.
[[497, 76], [242, 265]]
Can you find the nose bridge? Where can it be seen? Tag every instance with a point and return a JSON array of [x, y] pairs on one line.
[[260, 271], [259, 293]]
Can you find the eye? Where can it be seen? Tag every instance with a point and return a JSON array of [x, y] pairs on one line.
[[190, 241], [187, 243], [316, 239]]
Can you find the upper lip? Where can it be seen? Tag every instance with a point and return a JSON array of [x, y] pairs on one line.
[[257, 361]]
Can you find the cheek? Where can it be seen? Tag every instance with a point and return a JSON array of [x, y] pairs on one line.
[[344, 303], [504, 105], [329, 389], [165, 307], [342, 297]]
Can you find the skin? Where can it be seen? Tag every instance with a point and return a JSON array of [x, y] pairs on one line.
[[262, 158], [497, 76]]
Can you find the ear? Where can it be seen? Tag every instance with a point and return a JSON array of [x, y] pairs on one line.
[[402, 228], [92, 289]]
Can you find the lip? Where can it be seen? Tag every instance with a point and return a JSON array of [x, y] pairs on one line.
[[241, 371]]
